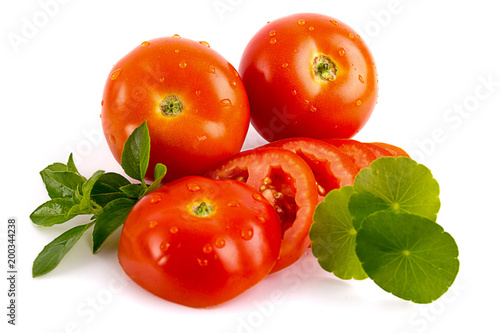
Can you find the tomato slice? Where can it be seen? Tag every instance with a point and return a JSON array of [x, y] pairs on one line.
[[331, 167], [396, 151], [357, 151], [287, 181], [378, 150]]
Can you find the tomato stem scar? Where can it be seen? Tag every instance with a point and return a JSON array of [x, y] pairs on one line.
[[171, 105], [324, 68], [202, 209]]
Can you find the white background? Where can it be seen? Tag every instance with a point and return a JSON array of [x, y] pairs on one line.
[[439, 73]]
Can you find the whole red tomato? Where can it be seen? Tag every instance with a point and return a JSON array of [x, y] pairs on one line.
[[308, 75], [193, 99], [200, 242]]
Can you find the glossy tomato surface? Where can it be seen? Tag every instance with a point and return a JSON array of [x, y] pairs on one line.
[[309, 75], [285, 180], [193, 100], [200, 242]]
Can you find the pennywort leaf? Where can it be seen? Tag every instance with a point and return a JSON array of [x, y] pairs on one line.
[[395, 184], [54, 252], [407, 255], [111, 218], [135, 155], [333, 236]]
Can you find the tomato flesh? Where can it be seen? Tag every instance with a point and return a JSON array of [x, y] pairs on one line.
[[357, 151], [285, 180], [200, 242], [331, 167], [394, 150]]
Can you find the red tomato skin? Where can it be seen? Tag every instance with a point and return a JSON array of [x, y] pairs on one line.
[[215, 117], [254, 167], [200, 261], [361, 155], [287, 100]]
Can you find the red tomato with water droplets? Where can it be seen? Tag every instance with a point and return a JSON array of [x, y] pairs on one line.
[[193, 100], [200, 242], [309, 75]]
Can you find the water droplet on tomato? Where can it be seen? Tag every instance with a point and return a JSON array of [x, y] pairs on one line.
[[233, 203], [351, 35], [261, 219], [164, 246], [272, 41], [174, 230], [358, 102], [311, 28], [247, 234], [313, 108], [234, 83], [143, 44], [296, 51], [301, 22], [176, 51], [211, 69], [220, 242], [334, 22], [204, 43], [201, 138], [226, 102], [272, 33], [202, 262], [112, 139], [153, 224], [162, 79], [198, 92], [193, 187], [176, 36], [284, 65], [207, 248], [102, 102], [115, 74], [183, 64], [361, 79], [236, 73], [155, 198], [342, 52], [258, 197], [294, 92]]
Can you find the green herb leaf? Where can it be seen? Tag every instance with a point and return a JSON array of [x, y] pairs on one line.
[[85, 203], [333, 236], [407, 255], [135, 155], [160, 172], [61, 184], [54, 252], [107, 188], [132, 190], [71, 164], [54, 211], [111, 218], [394, 184]]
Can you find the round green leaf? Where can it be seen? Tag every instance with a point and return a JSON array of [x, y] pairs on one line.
[[407, 255], [333, 236], [395, 184]]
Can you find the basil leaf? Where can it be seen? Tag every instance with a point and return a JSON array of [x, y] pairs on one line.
[[87, 186], [107, 188], [135, 155], [394, 184], [407, 255], [61, 184], [112, 216], [160, 172], [333, 236], [132, 190], [54, 211], [54, 252]]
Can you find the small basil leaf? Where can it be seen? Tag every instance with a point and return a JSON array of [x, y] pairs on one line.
[[135, 155]]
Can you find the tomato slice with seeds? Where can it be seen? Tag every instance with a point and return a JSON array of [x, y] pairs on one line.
[[357, 151], [285, 180], [396, 151], [331, 167]]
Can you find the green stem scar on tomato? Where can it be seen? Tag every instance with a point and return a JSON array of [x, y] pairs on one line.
[[171, 105], [324, 69]]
